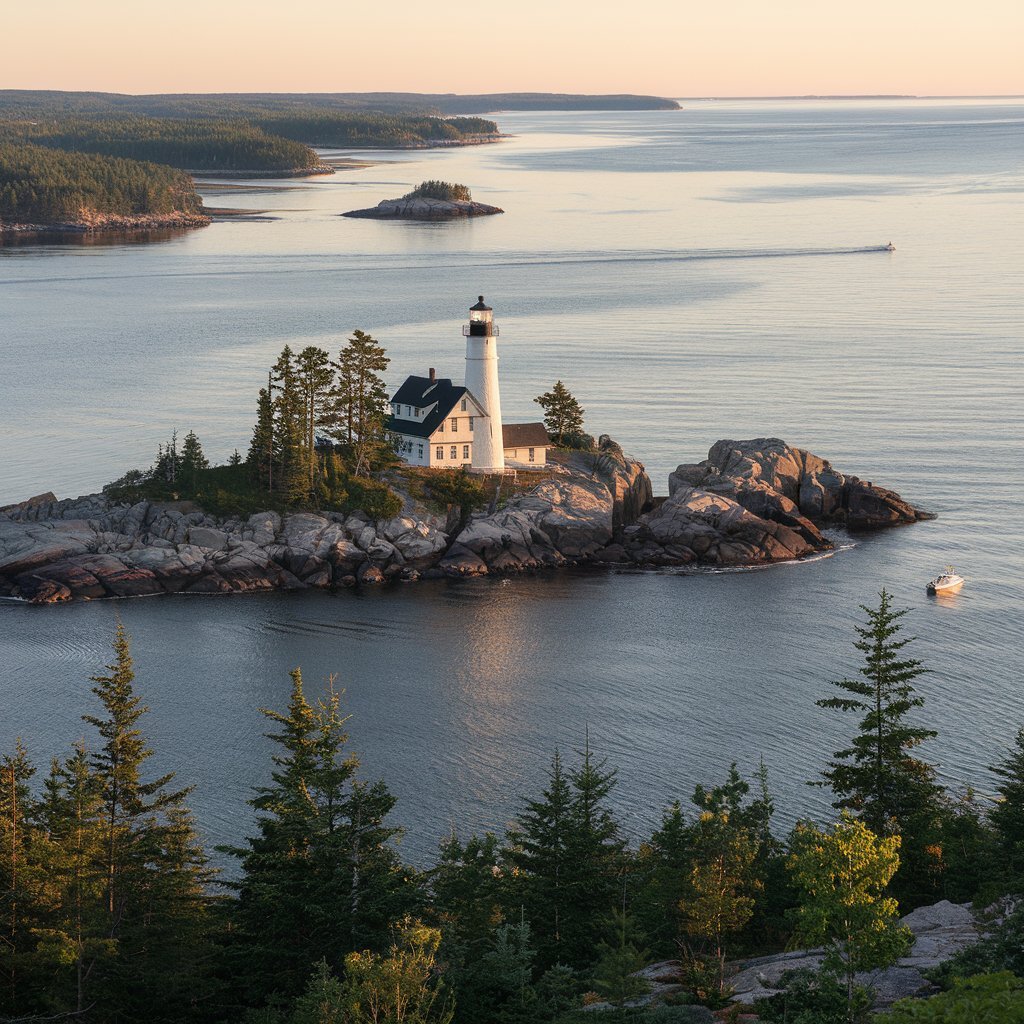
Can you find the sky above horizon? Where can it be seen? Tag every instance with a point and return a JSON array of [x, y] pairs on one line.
[[664, 47]]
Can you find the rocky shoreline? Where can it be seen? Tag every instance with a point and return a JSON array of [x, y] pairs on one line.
[[110, 222], [751, 502], [421, 208]]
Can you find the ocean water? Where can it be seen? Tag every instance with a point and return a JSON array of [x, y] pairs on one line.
[[691, 276]]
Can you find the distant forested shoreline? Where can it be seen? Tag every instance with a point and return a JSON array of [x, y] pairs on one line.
[[42, 187]]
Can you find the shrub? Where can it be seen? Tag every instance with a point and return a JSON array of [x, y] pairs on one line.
[[813, 998], [445, 190], [988, 998]]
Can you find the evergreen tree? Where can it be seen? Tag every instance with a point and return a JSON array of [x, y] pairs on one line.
[[153, 871], [192, 463], [361, 402], [843, 873], [262, 448], [877, 776], [21, 882], [537, 853], [320, 878], [620, 958], [563, 414], [315, 378], [290, 430], [1007, 816]]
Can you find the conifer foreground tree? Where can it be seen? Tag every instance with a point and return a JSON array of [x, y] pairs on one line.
[[1007, 816], [320, 878], [877, 776], [361, 402]]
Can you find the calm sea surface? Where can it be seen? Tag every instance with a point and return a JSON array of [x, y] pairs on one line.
[[691, 276]]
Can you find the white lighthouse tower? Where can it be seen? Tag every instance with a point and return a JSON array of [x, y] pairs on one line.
[[482, 383]]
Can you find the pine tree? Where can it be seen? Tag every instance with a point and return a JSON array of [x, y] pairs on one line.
[[151, 885], [315, 379], [361, 402], [621, 956], [192, 463], [21, 898], [537, 852], [321, 877], [290, 430], [662, 871], [262, 449], [1007, 816], [876, 776], [563, 414]]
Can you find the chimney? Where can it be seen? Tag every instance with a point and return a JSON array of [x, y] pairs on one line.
[[433, 374]]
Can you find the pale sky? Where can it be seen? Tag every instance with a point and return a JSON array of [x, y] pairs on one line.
[[666, 47]]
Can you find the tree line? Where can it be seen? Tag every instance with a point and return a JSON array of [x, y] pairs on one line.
[[203, 145], [110, 912], [39, 185]]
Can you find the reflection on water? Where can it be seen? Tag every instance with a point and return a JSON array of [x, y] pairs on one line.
[[615, 269], [87, 239]]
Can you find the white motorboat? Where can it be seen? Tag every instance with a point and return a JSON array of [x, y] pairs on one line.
[[948, 582]]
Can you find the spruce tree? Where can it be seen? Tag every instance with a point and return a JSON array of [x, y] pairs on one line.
[[22, 899], [290, 430], [152, 868], [262, 448], [877, 776], [320, 878], [1007, 816], [192, 463], [315, 378], [361, 402], [537, 852], [563, 414]]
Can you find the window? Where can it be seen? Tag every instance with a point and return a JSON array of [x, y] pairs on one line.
[[465, 451], [455, 452], [532, 451], [465, 405], [512, 453], [471, 424], [419, 451], [455, 424], [408, 410], [417, 411], [440, 452]]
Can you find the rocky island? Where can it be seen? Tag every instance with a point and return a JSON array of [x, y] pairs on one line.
[[749, 503], [430, 200]]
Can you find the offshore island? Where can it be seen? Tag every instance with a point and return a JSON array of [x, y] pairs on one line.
[[347, 484]]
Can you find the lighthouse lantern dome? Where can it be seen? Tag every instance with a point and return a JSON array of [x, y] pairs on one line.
[[481, 320]]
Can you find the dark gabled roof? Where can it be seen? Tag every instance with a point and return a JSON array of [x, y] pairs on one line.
[[414, 392], [524, 435]]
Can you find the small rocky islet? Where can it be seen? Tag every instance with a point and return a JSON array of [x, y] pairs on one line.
[[749, 503], [429, 201]]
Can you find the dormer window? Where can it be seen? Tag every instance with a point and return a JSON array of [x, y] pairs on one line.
[[417, 412], [465, 405]]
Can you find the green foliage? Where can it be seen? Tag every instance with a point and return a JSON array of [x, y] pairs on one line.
[[810, 997], [445, 190], [620, 957], [361, 405], [992, 998], [401, 986], [321, 877], [1002, 949], [563, 417], [842, 873], [877, 776], [46, 186], [190, 145], [458, 487], [1007, 816]]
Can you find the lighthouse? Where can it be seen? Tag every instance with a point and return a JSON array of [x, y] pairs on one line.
[[482, 383]]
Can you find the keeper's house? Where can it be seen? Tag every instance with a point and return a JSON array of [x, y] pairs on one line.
[[436, 422]]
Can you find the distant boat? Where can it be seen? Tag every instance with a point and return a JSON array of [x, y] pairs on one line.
[[889, 248], [948, 582]]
